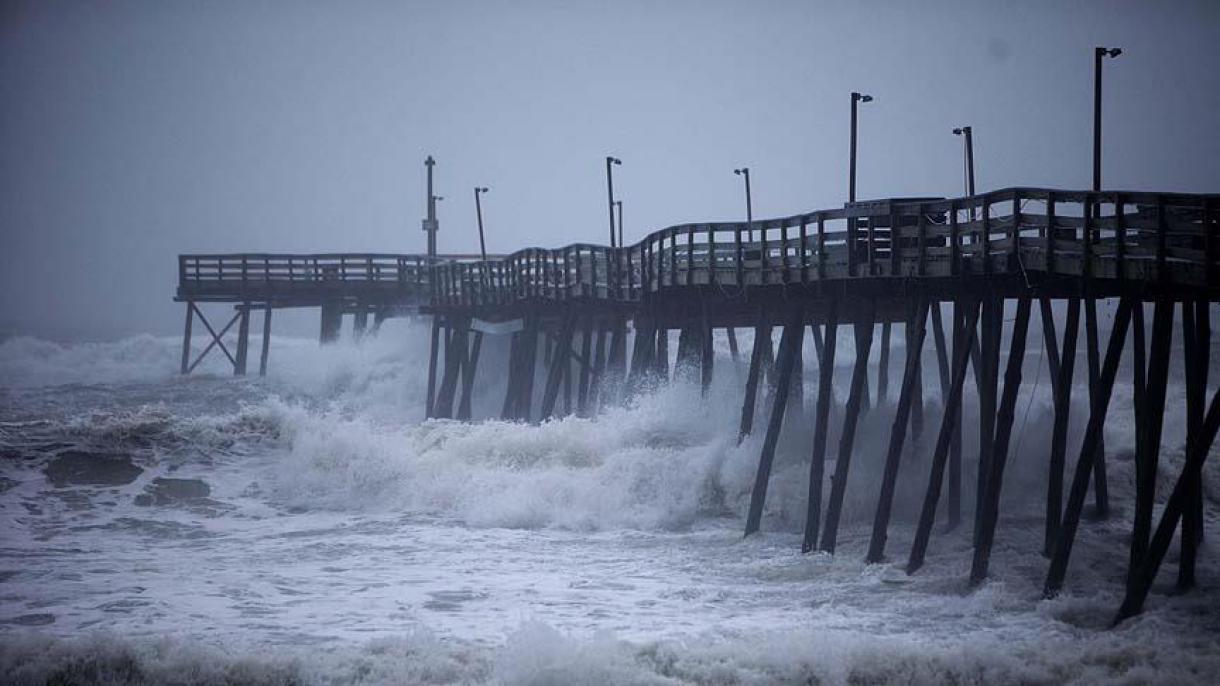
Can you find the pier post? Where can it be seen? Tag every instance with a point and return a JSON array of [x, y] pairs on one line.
[[992, 329], [586, 368], [817, 460], [560, 363], [883, 365], [469, 366], [962, 348], [1196, 336], [865, 323], [1062, 399], [432, 361], [1088, 452], [662, 354], [999, 456], [331, 321], [762, 339], [889, 479], [186, 337], [1148, 451], [360, 321], [262, 358], [794, 329], [1101, 489], [950, 423], [243, 340]]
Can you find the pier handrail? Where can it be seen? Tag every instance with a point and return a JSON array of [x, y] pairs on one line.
[[1123, 235]]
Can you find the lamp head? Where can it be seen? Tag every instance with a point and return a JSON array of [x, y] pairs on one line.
[[1108, 52], [860, 97], [743, 170], [438, 197], [613, 160], [481, 190], [960, 130]]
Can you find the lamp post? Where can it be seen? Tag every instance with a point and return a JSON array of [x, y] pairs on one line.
[[610, 161], [431, 225], [856, 98], [619, 204], [968, 132], [478, 210], [745, 171], [1098, 54]]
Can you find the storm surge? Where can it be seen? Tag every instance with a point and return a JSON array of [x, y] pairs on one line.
[[311, 528]]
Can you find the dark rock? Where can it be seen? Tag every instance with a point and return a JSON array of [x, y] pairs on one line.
[[166, 491], [78, 468]]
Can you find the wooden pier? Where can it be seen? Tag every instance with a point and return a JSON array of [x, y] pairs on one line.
[[864, 267]]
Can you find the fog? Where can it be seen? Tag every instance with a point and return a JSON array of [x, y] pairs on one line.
[[134, 131]]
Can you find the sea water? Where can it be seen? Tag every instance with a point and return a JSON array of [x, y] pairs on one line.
[[311, 528]]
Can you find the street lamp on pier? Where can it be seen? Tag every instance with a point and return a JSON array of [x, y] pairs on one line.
[[856, 99], [745, 171], [610, 161]]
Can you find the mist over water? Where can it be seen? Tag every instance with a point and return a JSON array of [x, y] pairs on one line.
[[309, 528]]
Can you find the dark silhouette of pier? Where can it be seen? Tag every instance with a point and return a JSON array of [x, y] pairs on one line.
[[573, 312]]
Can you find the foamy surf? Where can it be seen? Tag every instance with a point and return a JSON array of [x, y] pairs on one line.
[[309, 528]]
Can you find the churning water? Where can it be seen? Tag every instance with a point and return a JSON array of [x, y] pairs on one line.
[[309, 528]]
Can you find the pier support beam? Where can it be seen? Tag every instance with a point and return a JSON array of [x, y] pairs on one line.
[[865, 323], [1101, 488], [186, 337], [949, 426], [1088, 452], [432, 362], [469, 365], [331, 322], [889, 479], [762, 340], [243, 339], [1148, 450], [817, 460], [999, 456], [794, 330], [262, 358]]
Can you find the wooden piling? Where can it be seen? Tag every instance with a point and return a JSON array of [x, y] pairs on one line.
[[243, 340], [883, 365], [762, 339], [992, 329], [1062, 399], [186, 337], [794, 330], [1088, 451], [469, 366], [560, 362], [865, 322], [889, 479], [586, 368], [432, 361], [266, 342], [967, 315], [1101, 488], [1148, 451], [817, 460], [999, 455]]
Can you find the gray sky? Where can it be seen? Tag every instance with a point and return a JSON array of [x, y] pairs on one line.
[[133, 131]]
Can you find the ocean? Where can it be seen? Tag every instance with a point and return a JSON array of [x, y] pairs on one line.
[[311, 528]]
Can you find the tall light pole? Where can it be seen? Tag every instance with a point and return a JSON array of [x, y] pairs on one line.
[[610, 192], [1098, 54], [619, 205], [745, 171], [431, 225], [856, 98], [478, 210], [968, 132]]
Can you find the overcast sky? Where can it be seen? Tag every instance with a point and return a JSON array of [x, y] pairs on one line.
[[134, 131]]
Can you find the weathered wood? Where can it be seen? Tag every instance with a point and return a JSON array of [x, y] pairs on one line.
[[992, 319], [942, 352], [266, 342], [999, 456], [838, 483], [331, 321], [794, 329], [950, 422], [883, 365], [512, 388], [1195, 343], [599, 365], [962, 347], [455, 353], [1197, 450], [817, 460], [889, 479], [432, 362], [243, 340], [762, 340], [707, 357], [469, 366], [560, 363], [733, 352], [1062, 399], [662, 354], [1148, 450], [529, 364], [186, 336], [586, 368], [217, 339], [1088, 452], [1101, 488]]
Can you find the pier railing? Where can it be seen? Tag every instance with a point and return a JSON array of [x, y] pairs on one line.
[[1156, 237]]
